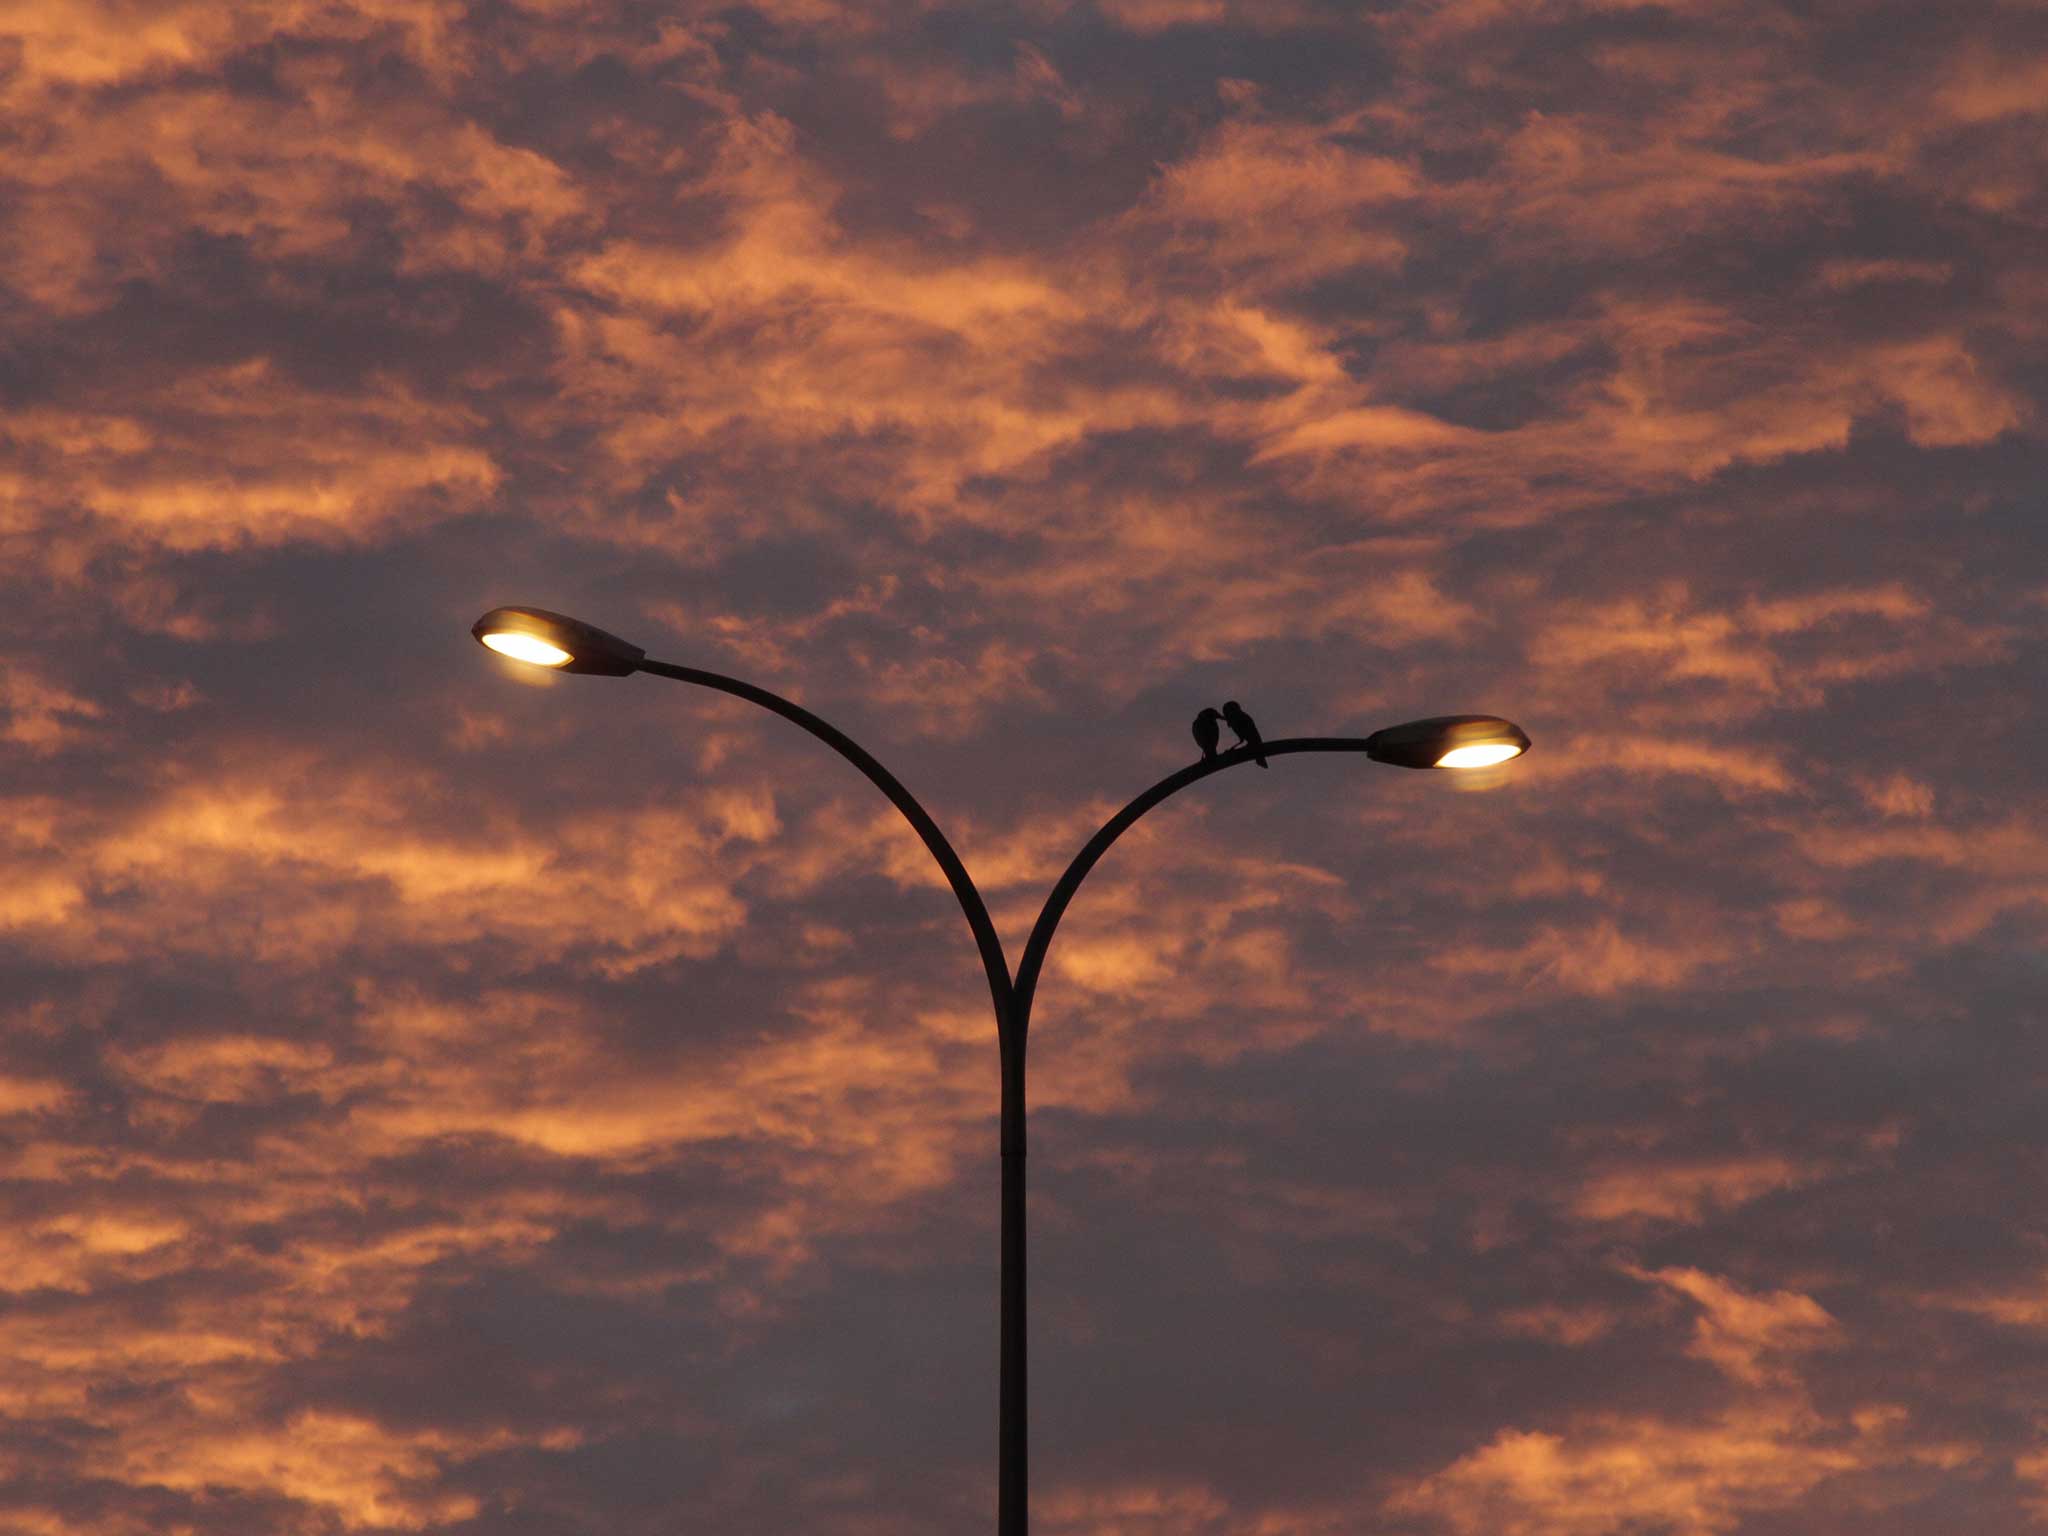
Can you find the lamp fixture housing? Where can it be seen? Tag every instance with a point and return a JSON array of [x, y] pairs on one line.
[[1471, 740], [590, 650]]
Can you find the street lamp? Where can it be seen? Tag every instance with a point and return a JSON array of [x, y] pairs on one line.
[[554, 640], [1448, 741]]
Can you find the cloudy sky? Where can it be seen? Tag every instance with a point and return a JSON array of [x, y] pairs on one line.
[[439, 1097]]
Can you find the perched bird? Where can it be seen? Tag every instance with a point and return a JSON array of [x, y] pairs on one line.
[[1247, 733], [1208, 731]]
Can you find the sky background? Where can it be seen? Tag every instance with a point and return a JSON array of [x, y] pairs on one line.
[[439, 1097]]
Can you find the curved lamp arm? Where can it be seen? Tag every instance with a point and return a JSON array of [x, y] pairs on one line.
[[1049, 916], [1012, 1433], [991, 947]]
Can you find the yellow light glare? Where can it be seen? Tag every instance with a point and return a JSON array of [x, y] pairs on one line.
[[1483, 755], [509, 642]]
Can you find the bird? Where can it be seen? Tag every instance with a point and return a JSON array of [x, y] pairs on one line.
[[1208, 732], [1247, 732]]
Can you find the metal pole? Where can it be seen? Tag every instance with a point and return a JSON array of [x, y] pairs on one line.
[[1013, 1428]]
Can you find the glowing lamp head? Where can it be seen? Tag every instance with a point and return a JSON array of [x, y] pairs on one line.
[[520, 647], [1448, 741], [1481, 755], [555, 640]]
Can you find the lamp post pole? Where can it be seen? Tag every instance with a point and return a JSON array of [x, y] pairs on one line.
[[548, 639]]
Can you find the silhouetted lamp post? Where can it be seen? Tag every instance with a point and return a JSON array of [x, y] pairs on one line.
[[1447, 741]]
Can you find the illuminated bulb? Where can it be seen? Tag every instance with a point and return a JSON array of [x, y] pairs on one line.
[[1483, 755], [508, 642]]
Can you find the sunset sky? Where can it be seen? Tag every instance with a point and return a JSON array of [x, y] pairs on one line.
[[442, 1097]]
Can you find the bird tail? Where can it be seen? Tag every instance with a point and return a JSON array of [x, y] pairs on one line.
[[1260, 761]]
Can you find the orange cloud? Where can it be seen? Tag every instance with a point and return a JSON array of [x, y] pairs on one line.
[[1686, 1191], [256, 463], [40, 715], [1598, 960], [1280, 203], [1692, 1481], [358, 1473], [297, 849], [1788, 651], [1746, 1335]]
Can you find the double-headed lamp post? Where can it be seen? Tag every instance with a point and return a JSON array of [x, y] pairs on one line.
[[1447, 741]]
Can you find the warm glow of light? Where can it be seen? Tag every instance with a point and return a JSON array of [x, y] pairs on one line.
[[521, 647], [1482, 755]]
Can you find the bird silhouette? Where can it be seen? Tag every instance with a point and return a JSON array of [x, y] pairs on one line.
[[1208, 731], [1247, 732]]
